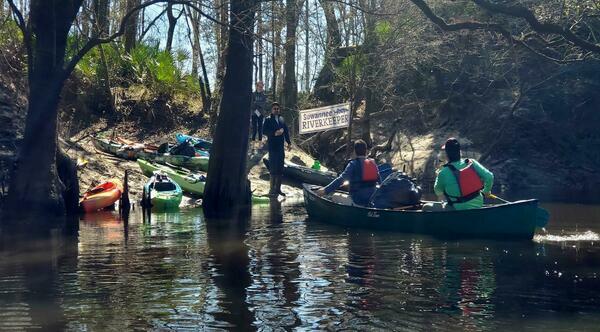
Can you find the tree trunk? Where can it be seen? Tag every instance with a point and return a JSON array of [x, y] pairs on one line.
[[372, 97], [260, 33], [306, 48], [130, 35], [194, 40], [322, 89], [171, 30], [206, 107], [101, 12], [276, 38], [221, 31], [35, 186], [290, 85], [227, 188]]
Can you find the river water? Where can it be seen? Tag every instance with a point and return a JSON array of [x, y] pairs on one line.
[[280, 271]]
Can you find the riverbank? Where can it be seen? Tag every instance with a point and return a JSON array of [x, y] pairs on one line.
[[100, 165]]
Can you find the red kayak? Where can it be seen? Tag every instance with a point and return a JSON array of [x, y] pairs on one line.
[[101, 196]]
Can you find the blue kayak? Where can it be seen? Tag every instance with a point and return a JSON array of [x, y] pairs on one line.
[[197, 142]]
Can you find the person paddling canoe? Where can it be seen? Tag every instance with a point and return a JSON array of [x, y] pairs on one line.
[[461, 182], [361, 172]]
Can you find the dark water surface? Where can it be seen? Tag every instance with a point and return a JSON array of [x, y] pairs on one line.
[[281, 272]]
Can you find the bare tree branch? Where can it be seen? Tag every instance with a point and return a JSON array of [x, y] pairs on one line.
[[540, 27], [475, 25]]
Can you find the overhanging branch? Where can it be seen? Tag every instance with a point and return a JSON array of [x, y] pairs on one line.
[[539, 27], [493, 27]]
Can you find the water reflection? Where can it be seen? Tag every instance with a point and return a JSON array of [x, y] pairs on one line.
[[33, 269], [230, 262], [277, 271]]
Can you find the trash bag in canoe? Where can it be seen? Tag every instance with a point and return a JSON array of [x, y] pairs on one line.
[[397, 190], [184, 148]]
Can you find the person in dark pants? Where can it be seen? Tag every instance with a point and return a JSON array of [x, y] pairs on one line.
[[277, 133], [259, 104]]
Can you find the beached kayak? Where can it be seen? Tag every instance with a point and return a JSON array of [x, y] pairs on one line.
[[161, 193], [197, 142], [304, 174], [517, 220], [190, 182], [101, 196], [135, 151]]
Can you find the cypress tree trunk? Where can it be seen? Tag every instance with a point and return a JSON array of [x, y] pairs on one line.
[[227, 187], [35, 186]]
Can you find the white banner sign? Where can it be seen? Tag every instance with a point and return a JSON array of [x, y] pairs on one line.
[[324, 118]]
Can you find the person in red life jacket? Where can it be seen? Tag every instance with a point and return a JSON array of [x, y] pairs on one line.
[[361, 172], [462, 182]]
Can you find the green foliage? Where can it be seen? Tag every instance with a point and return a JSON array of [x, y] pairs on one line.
[[352, 65], [10, 34], [383, 30], [159, 71]]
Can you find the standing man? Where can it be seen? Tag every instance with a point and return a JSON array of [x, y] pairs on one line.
[[276, 131], [259, 105]]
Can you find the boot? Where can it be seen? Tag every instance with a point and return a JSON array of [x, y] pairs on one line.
[[279, 178]]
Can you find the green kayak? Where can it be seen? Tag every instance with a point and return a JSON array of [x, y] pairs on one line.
[[161, 193], [192, 183], [517, 220], [140, 151]]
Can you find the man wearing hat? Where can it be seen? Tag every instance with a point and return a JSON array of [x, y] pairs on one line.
[[462, 182], [277, 132]]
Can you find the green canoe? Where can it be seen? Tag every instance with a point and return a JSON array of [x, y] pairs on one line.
[[516, 220], [192, 183], [161, 193]]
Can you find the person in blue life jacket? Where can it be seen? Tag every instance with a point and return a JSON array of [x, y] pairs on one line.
[[361, 172], [277, 134], [461, 182]]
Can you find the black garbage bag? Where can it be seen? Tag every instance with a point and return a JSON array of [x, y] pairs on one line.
[[184, 148], [397, 190]]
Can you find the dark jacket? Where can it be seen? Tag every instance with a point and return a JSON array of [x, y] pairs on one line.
[[259, 102], [276, 143], [353, 173]]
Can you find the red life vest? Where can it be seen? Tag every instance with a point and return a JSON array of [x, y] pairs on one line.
[[469, 182], [370, 172]]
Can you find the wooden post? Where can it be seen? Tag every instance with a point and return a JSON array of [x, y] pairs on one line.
[[124, 204]]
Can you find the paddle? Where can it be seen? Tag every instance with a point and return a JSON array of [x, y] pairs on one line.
[[541, 217], [490, 195]]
